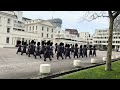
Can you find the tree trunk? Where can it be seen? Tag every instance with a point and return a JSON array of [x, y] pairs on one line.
[[109, 50]]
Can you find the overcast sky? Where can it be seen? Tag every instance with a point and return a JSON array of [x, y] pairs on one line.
[[70, 19]]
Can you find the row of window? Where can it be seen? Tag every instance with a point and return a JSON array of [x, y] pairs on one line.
[[8, 39], [106, 41], [47, 35], [35, 28], [106, 37]]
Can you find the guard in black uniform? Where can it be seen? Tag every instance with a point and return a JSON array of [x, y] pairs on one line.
[[94, 51], [85, 50], [76, 51], [72, 49], [47, 52], [24, 48], [42, 48], [81, 51], [67, 52], [56, 46], [59, 51], [90, 52], [37, 50], [19, 47], [31, 49], [51, 49], [63, 49]]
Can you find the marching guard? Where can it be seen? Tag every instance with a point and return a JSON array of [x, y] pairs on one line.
[[37, 51], [90, 51], [81, 51], [47, 52], [24, 48], [19, 47], [67, 51], [94, 51], [76, 51], [59, 51], [51, 49], [31, 49], [85, 51]]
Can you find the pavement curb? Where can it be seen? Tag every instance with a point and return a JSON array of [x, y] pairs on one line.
[[54, 75]]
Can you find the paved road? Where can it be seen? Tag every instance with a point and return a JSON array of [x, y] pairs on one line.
[[15, 66]]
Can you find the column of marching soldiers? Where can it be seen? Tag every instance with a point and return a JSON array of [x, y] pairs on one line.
[[63, 51]]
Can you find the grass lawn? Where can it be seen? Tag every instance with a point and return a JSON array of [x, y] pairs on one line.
[[96, 73]]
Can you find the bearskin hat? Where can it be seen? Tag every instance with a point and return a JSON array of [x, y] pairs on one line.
[[56, 44], [76, 45], [24, 43], [51, 43], [32, 41], [38, 43], [80, 46], [42, 43], [65, 45], [19, 42], [68, 45], [48, 43]]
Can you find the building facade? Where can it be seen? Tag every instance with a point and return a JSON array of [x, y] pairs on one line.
[[73, 31], [14, 27], [67, 38], [101, 38], [86, 37]]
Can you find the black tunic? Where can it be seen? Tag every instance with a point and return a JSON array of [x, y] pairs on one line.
[[19, 48], [37, 50], [59, 51], [90, 52], [47, 52], [94, 51], [67, 53], [81, 52]]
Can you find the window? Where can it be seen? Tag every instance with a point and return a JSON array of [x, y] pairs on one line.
[[7, 40], [51, 36], [47, 29], [8, 30], [27, 29], [52, 30], [42, 34], [42, 28], [8, 21], [30, 28], [36, 27], [33, 27], [47, 35]]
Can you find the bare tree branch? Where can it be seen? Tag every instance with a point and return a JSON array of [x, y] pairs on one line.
[[116, 14]]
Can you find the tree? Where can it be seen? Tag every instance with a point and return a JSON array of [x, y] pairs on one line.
[[112, 15]]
